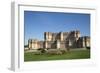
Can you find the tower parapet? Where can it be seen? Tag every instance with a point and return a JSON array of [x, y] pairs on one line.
[[48, 36], [70, 39]]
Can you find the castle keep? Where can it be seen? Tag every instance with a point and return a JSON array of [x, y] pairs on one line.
[[60, 40]]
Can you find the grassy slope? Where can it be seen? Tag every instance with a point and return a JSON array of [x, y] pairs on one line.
[[79, 54]]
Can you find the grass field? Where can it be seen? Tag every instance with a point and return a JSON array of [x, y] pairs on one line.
[[76, 54]]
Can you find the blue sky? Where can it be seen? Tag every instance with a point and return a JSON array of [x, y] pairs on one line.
[[36, 23]]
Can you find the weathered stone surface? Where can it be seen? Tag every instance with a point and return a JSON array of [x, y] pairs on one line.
[[60, 40]]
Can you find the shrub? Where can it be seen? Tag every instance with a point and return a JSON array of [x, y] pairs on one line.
[[87, 47], [58, 52], [37, 53], [68, 49], [42, 50], [47, 48], [53, 52], [63, 51], [39, 48]]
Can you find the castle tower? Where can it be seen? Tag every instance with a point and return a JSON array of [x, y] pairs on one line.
[[77, 34], [61, 36], [30, 44], [33, 44], [45, 44], [45, 36], [58, 44], [48, 36], [87, 41], [83, 42]]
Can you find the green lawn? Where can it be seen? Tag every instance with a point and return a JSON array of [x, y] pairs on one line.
[[76, 54]]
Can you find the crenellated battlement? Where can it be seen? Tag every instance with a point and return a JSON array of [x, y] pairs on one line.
[[58, 40]]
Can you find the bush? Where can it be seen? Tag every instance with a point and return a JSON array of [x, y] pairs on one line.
[[39, 48], [87, 47], [43, 51], [63, 51], [47, 48], [54, 52], [58, 52], [37, 53]]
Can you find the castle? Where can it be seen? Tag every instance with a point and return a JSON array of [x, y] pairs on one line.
[[60, 40]]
